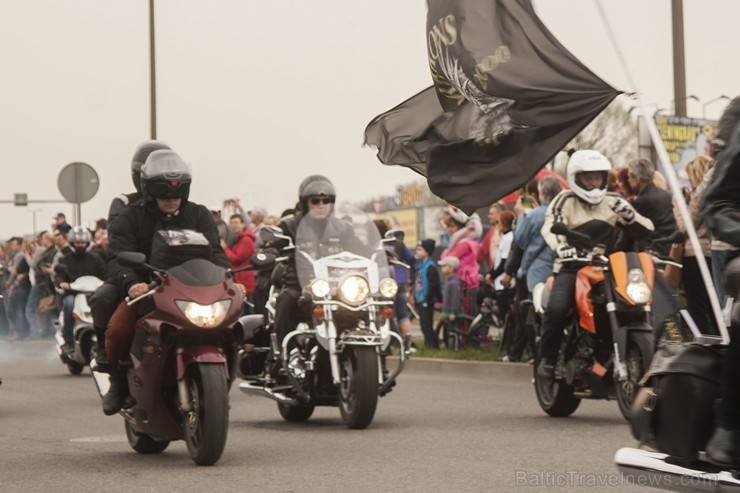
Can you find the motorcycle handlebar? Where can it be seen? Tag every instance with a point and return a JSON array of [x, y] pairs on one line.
[[150, 289]]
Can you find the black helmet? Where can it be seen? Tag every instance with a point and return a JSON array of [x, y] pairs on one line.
[[140, 155], [316, 185], [79, 234], [165, 176]]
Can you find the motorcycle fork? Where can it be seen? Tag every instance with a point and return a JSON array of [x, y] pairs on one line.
[[619, 337]]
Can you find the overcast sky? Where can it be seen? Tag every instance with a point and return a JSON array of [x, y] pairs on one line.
[[257, 95]]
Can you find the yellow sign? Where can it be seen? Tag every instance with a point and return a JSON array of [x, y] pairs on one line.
[[409, 195], [406, 220], [684, 138]]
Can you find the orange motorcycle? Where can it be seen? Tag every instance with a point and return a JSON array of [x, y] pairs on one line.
[[609, 346]]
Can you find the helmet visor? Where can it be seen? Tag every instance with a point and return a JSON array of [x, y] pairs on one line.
[[168, 189]]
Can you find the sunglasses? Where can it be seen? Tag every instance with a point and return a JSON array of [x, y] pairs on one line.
[[320, 200]]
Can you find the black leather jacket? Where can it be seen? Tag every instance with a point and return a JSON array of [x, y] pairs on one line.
[[134, 228], [722, 206]]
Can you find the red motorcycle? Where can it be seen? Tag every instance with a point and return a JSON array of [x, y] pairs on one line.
[[183, 354]]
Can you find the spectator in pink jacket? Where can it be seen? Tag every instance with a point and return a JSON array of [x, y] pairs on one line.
[[464, 233]]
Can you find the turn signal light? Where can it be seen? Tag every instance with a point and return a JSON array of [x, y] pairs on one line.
[[387, 313], [318, 312]]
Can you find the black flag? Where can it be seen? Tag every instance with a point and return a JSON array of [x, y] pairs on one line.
[[507, 96]]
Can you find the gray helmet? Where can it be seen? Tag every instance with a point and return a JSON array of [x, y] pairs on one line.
[[165, 176], [79, 234], [316, 185], [140, 155]]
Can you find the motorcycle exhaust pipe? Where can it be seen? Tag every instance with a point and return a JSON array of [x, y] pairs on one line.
[[655, 470]]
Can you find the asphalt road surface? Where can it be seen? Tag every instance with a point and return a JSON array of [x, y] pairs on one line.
[[436, 431]]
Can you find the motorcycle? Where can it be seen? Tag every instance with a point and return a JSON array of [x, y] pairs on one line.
[[336, 355], [609, 346], [183, 352], [85, 342]]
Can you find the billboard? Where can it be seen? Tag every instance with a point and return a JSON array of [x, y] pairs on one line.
[[684, 138]]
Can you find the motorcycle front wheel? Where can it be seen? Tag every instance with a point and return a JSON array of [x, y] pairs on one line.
[[358, 385], [206, 424], [638, 356], [74, 367], [295, 414], [143, 443], [555, 398]]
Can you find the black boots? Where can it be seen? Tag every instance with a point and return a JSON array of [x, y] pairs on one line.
[[723, 448], [115, 398]]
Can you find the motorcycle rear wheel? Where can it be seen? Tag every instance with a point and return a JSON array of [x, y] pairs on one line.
[[206, 425], [143, 443], [295, 414], [358, 386], [555, 398], [638, 356]]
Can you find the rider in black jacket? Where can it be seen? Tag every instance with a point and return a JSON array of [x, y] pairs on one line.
[[316, 203], [722, 215], [77, 263], [107, 297], [165, 183]]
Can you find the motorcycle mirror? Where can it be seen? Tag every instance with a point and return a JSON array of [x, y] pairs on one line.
[[134, 260], [272, 233]]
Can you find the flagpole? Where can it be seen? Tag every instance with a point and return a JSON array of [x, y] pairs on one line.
[[670, 174]]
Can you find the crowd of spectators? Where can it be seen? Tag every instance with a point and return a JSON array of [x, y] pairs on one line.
[[504, 259]]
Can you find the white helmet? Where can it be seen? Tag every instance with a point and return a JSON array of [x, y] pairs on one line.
[[584, 162]]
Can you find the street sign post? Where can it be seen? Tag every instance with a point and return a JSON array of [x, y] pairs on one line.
[[78, 183]]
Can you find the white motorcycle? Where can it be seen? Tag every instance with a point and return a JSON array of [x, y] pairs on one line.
[[85, 342], [336, 356]]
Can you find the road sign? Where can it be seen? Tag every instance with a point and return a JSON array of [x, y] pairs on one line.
[[20, 199], [78, 182]]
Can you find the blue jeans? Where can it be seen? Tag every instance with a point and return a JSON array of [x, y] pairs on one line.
[[36, 332], [17, 312], [68, 304]]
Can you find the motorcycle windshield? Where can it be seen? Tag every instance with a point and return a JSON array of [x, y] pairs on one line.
[[334, 241]]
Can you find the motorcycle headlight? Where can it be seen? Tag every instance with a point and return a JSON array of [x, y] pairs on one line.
[[353, 290], [637, 287], [320, 288], [388, 288], [205, 316]]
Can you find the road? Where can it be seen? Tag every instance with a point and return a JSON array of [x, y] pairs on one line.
[[434, 432]]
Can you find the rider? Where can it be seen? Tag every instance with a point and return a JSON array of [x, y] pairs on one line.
[[107, 297], [402, 274], [165, 186], [77, 263], [586, 208], [722, 215], [316, 195]]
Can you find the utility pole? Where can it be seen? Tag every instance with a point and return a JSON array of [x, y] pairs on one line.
[[152, 75], [679, 60]]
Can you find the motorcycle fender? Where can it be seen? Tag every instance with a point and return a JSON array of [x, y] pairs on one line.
[[200, 354], [250, 324], [622, 335]]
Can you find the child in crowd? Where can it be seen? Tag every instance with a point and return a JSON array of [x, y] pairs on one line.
[[426, 289], [452, 292]]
